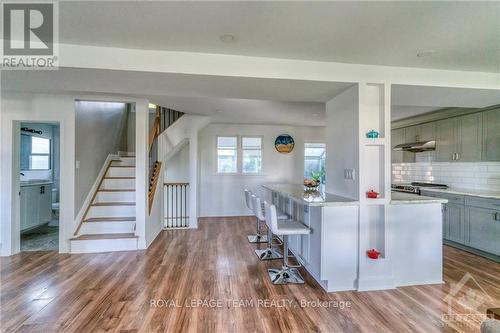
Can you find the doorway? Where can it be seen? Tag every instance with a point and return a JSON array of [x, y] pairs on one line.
[[39, 178]]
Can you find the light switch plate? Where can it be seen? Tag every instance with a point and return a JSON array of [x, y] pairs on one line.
[[349, 174]]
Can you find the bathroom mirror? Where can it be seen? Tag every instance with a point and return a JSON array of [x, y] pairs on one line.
[[35, 153]]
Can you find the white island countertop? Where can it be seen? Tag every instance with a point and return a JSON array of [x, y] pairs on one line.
[[298, 193], [401, 198]]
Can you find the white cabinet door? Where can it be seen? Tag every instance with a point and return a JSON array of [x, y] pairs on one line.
[[45, 204], [24, 207], [32, 206]]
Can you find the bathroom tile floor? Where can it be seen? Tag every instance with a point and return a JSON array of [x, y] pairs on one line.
[[43, 238]]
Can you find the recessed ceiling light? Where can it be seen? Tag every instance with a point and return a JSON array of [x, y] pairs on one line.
[[228, 38], [425, 53]]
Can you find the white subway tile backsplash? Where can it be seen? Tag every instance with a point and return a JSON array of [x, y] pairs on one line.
[[480, 175]]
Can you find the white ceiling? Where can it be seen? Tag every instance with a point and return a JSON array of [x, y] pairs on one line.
[[463, 35], [236, 99], [226, 99]]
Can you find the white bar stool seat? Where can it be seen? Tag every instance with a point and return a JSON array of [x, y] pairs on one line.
[[287, 274], [270, 252], [257, 237]]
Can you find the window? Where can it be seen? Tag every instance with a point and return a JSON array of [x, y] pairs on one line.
[[233, 149], [35, 153], [314, 160], [227, 154], [252, 154]]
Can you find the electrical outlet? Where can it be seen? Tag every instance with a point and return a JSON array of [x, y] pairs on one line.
[[349, 174], [77, 164]]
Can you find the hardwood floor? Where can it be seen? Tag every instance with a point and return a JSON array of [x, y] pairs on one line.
[[49, 292]]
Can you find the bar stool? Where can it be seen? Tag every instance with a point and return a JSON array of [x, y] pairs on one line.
[[268, 253], [288, 273], [258, 237]]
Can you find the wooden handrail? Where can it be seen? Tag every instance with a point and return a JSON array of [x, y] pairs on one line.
[[154, 133], [153, 183]]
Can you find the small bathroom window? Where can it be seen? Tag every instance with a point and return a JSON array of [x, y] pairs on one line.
[[35, 153]]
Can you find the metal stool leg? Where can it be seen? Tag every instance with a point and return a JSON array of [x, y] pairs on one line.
[[286, 274], [258, 237], [269, 253]]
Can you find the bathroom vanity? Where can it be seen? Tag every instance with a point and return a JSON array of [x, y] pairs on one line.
[[36, 203]]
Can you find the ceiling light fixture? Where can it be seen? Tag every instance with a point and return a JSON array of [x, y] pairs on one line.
[[228, 38]]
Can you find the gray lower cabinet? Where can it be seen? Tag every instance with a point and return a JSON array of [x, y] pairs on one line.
[[483, 226], [471, 221], [454, 222], [491, 135]]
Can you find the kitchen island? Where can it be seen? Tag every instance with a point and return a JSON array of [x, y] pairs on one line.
[[329, 253], [332, 254]]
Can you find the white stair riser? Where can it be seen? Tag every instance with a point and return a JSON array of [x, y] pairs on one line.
[[115, 197], [119, 163], [103, 245], [121, 172], [118, 184], [125, 161], [111, 211], [107, 227]]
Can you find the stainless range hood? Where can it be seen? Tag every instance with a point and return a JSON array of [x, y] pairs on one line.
[[416, 147]]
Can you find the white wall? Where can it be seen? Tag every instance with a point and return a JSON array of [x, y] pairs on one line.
[[342, 149], [222, 195], [177, 168], [17, 107], [100, 128]]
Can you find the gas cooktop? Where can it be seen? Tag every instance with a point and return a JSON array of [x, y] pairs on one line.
[[414, 187]]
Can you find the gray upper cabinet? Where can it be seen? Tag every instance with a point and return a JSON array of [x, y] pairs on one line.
[[491, 135], [426, 132], [446, 140], [410, 134], [397, 137], [469, 137]]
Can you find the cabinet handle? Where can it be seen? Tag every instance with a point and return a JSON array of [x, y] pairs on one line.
[[453, 156], [497, 216], [458, 156]]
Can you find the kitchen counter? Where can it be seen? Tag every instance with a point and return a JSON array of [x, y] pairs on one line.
[[36, 183], [400, 198], [469, 192], [298, 193]]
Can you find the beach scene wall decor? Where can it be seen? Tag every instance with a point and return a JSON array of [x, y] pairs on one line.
[[284, 143]]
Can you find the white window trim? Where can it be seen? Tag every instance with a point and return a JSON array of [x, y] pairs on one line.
[[239, 156]]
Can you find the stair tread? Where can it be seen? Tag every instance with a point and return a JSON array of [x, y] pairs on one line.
[[111, 219], [104, 236], [114, 203]]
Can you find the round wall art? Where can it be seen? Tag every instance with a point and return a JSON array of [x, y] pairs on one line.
[[284, 143]]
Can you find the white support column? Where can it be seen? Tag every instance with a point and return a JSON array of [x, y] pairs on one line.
[[374, 174], [141, 170]]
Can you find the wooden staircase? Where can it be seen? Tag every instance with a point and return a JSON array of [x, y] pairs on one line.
[[109, 221]]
